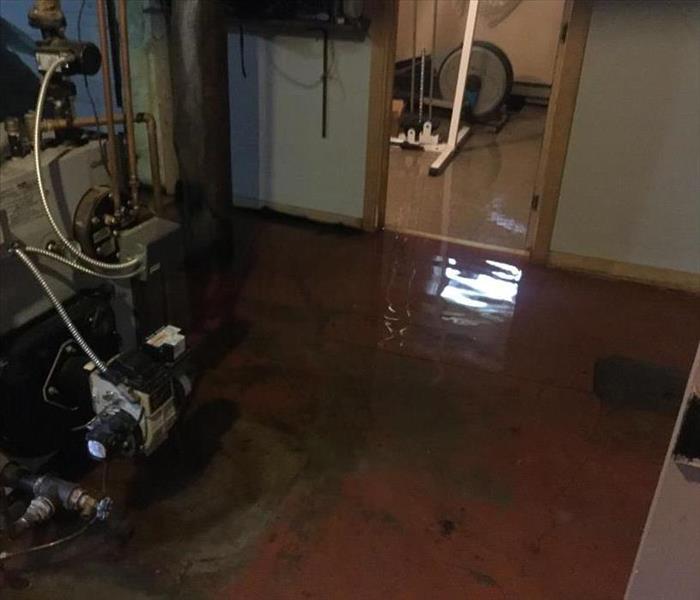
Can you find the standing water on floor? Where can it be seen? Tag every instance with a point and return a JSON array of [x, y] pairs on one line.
[[384, 416], [461, 309], [483, 196]]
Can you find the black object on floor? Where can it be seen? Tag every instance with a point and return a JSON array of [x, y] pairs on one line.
[[623, 382]]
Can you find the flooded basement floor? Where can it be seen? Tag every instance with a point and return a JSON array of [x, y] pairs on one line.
[[485, 193], [389, 417]]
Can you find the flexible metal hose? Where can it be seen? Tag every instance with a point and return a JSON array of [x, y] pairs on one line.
[[59, 308], [60, 541], [75, 265], [134, 262]]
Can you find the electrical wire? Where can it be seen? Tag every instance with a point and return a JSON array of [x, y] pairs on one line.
[[75, 265], [101, 366], [332, 71], [40, 182], [432, 60], [242, 49]]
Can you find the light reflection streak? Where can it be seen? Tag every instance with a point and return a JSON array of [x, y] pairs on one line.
[[482, 289], [478, 303]]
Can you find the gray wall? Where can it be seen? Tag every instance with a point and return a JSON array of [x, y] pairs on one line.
[[631, 186], [245, 119], [278, 154]]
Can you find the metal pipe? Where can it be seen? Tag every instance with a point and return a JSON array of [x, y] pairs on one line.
[[432, 61], [107, 92], [458, 102], [153, 152], [411, 108], [128, 104], [421, 88]]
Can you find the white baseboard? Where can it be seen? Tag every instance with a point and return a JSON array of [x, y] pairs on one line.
[[313, 214], [668, 278]]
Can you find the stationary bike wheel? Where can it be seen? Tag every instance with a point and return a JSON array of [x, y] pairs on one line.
[[487, 63]]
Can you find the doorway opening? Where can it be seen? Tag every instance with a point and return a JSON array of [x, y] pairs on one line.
[[484, 196]]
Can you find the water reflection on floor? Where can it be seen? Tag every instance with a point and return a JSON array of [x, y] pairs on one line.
[[484, 195], [458, 308]]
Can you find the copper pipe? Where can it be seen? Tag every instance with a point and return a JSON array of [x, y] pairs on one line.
[[148, 120], [128, 104], [107, 91]]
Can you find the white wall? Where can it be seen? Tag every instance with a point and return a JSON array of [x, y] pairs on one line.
[[278, 153], [631, 185], [528, 35]]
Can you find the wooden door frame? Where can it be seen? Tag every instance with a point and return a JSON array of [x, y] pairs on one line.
[[384, 17], [560, 116], [560, 113]]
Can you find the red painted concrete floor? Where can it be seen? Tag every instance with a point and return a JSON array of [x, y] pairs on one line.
[[392, 417]]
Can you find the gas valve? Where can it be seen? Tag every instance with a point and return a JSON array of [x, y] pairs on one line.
[[136, 401]]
